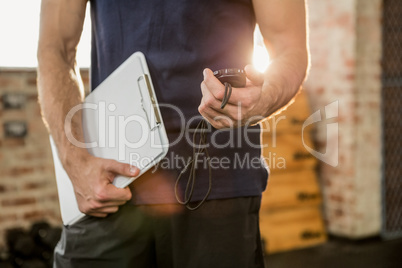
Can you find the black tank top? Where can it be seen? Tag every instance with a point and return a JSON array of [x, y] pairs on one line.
[[180, 38]]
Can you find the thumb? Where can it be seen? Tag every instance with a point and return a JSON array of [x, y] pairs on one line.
[[256, 77], [122, 168]]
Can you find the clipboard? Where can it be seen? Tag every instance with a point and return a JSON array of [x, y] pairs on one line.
[[121, 121]]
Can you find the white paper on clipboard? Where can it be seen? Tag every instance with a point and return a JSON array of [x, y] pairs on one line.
[[121, 121]]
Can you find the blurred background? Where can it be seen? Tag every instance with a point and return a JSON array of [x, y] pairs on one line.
[[334, 193]]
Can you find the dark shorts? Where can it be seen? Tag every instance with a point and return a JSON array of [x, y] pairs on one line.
[[221, 233]]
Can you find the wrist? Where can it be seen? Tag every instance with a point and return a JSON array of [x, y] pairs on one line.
[[72, 155], [269, 98]]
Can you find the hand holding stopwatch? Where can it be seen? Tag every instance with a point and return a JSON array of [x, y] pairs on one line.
[[230, 77]]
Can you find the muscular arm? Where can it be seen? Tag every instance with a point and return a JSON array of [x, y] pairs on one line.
[[283, 26], [60, 89], [59, 81]]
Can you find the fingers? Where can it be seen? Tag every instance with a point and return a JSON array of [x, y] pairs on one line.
[[217, 90], [217, 117], [110, 193], [97, 196], [99, 209], [210, 106], [208, 99], [107, 210], [111, 203], [213, 102], [103, 212], [212, 83]]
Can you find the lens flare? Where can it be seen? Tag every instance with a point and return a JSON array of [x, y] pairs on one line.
[[260, 55]]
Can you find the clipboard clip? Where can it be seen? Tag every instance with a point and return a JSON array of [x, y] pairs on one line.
[[155, 121]]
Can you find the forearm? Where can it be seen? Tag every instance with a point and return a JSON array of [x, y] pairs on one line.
[[283, 79], [60, 89], [284, 29]]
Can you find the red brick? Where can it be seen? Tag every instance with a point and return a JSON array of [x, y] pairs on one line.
[[350, 63], [45, 169], [85, 79], [35, 215], [338, 213], [350, 77], [34, 185], [33, 155], [9, 82], [8, 217], [31, 81], [17, 71], [18, 201], [13, 142], [53, 197], [32, 97], [7, 188], [336, 198], [18, 171]]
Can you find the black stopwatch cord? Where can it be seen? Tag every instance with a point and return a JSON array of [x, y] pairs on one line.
[[228, 93], [202, 149], [192, 164]]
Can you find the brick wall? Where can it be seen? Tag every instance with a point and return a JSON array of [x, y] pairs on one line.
[[27, 185], [345, 43]]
